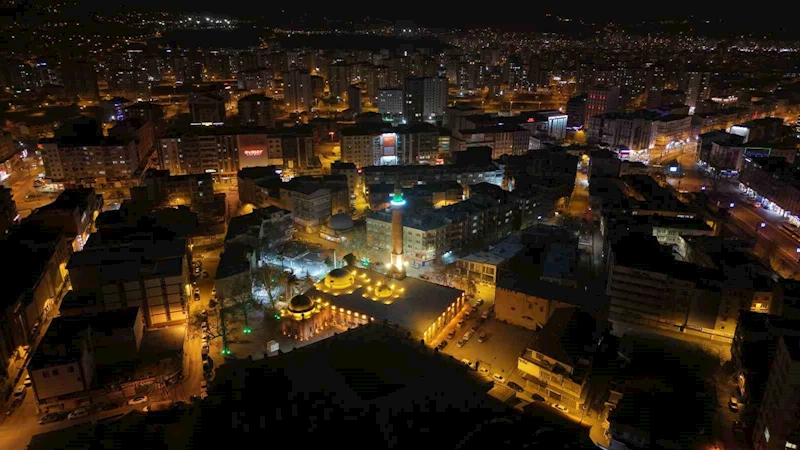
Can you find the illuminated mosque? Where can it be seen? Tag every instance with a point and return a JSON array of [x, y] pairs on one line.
[[350, 296]]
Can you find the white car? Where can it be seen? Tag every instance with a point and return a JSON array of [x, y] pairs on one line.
[[27, 381], [137, 400], [78, 413], [19, 392], [499, 378], [560, 407], [204, 349]]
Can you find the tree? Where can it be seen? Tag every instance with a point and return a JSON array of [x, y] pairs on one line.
[[240, 300], [290, 282], [446, 273], [270, 278], [716, 164], [356, 242]]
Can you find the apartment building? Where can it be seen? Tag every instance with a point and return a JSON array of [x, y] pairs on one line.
[[776, 426], [136, 271], [312, 200], [80, 154], [559, 360]]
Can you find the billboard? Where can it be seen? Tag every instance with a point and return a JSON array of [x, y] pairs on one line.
[[389, 144], [253, 150]]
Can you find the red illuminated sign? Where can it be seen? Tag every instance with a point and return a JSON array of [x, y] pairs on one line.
[[257, 152]]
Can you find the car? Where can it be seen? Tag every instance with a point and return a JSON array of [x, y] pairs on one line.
[[204, 348], [499, 378], [473, 328], [196, 297], [482, 337], [484, 370], [50, 418], [205, 274], [733, 404], [204, 313], [538, 398], [203, 395], [137, 400], [442, 345], [204, 385], [479, 302], [515, 386], [19, 392], [466, 362], [451, 334], [485, 315], [78, 413], [27, 381], [461, 343], [197, 291], [559, 407], [460, 323]]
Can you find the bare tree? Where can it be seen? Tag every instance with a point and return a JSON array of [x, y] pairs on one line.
[[356, 242], [271, 279]]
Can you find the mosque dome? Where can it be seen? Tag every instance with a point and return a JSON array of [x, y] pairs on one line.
[[340, 278], [300, 304], [340, 222]]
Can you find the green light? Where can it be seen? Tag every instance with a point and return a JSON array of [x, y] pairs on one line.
[[247, 331], [277, 317]]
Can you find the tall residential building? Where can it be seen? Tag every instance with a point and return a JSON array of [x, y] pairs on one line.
[[777, 427], [338, 79], [207, 109], [256, 109], [601, 100], [297, 91], [80, 153], [696, 86], [80, 80], [576, 111], [354, 102], [634, 131], [390, 103], [426, 98]]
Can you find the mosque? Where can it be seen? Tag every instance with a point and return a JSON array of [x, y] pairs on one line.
[[351, 296]]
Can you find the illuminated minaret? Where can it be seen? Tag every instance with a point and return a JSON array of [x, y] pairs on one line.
[[397, 268]]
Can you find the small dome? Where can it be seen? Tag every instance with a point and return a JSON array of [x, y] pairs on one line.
[[383, 291], [339, 278], [300, 304], [340, 222]]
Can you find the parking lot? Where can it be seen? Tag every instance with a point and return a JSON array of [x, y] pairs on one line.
[[499, 351]]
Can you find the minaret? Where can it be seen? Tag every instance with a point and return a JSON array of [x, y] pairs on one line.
[[398, 268]]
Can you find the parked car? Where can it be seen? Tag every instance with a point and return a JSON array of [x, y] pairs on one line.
[[485, 315], [204, 348], [560, 407], [50, 418], [197, 291], [27, 381], [19, 392], [515, 386], [196, 297], [538, 398], [479, 302], [78, 413], [461, 343], [442, 344], [205, 274], [733, 404], [460, 323], [451, 334], [137, 400], [499, 378], [473, 328], [482, 337]]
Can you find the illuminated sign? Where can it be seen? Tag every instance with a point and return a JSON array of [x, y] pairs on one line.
[[388, 143], [256, 152]]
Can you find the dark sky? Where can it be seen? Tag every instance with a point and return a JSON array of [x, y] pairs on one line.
[[522, 15]]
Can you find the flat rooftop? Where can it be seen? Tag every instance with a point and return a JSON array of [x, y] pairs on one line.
[[413, 304]]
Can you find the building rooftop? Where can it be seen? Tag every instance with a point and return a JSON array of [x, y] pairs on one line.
[[589, 301], [411, 303], [255, 98], [569, 337], [498, 253]]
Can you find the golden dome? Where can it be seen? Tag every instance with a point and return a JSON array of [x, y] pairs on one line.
[[339, 279], [300, 304]]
